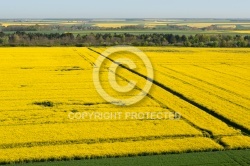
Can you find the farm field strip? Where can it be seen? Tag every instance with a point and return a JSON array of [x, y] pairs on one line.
[[205, 86], [229, 157], [210, 83], [93, 132], [223, 107], [234, 142], [218, 80], [61, 115], [115, 149]]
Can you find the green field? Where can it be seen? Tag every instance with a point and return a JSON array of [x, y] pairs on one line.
[[229, 158]]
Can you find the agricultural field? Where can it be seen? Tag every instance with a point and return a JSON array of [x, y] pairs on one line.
[[189, 26], [230, 157], [45, 91], [199, 23], [6, 23]]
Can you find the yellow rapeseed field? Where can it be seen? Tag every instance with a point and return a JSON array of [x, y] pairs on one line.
[[114, 149], [243, 31], [48, 98]]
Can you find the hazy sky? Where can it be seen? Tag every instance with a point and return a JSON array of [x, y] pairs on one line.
[[124, 9]]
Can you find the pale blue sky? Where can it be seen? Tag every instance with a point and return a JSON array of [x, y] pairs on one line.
[[125, 9]]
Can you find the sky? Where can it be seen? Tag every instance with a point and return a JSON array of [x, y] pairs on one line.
[[124, 9]]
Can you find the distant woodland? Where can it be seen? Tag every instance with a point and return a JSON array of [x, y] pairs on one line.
[[20, 38]]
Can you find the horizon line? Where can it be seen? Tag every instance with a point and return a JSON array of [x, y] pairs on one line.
[[131, 18]]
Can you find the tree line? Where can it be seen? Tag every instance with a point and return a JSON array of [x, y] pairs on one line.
[[83, 27], [109, 39]]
